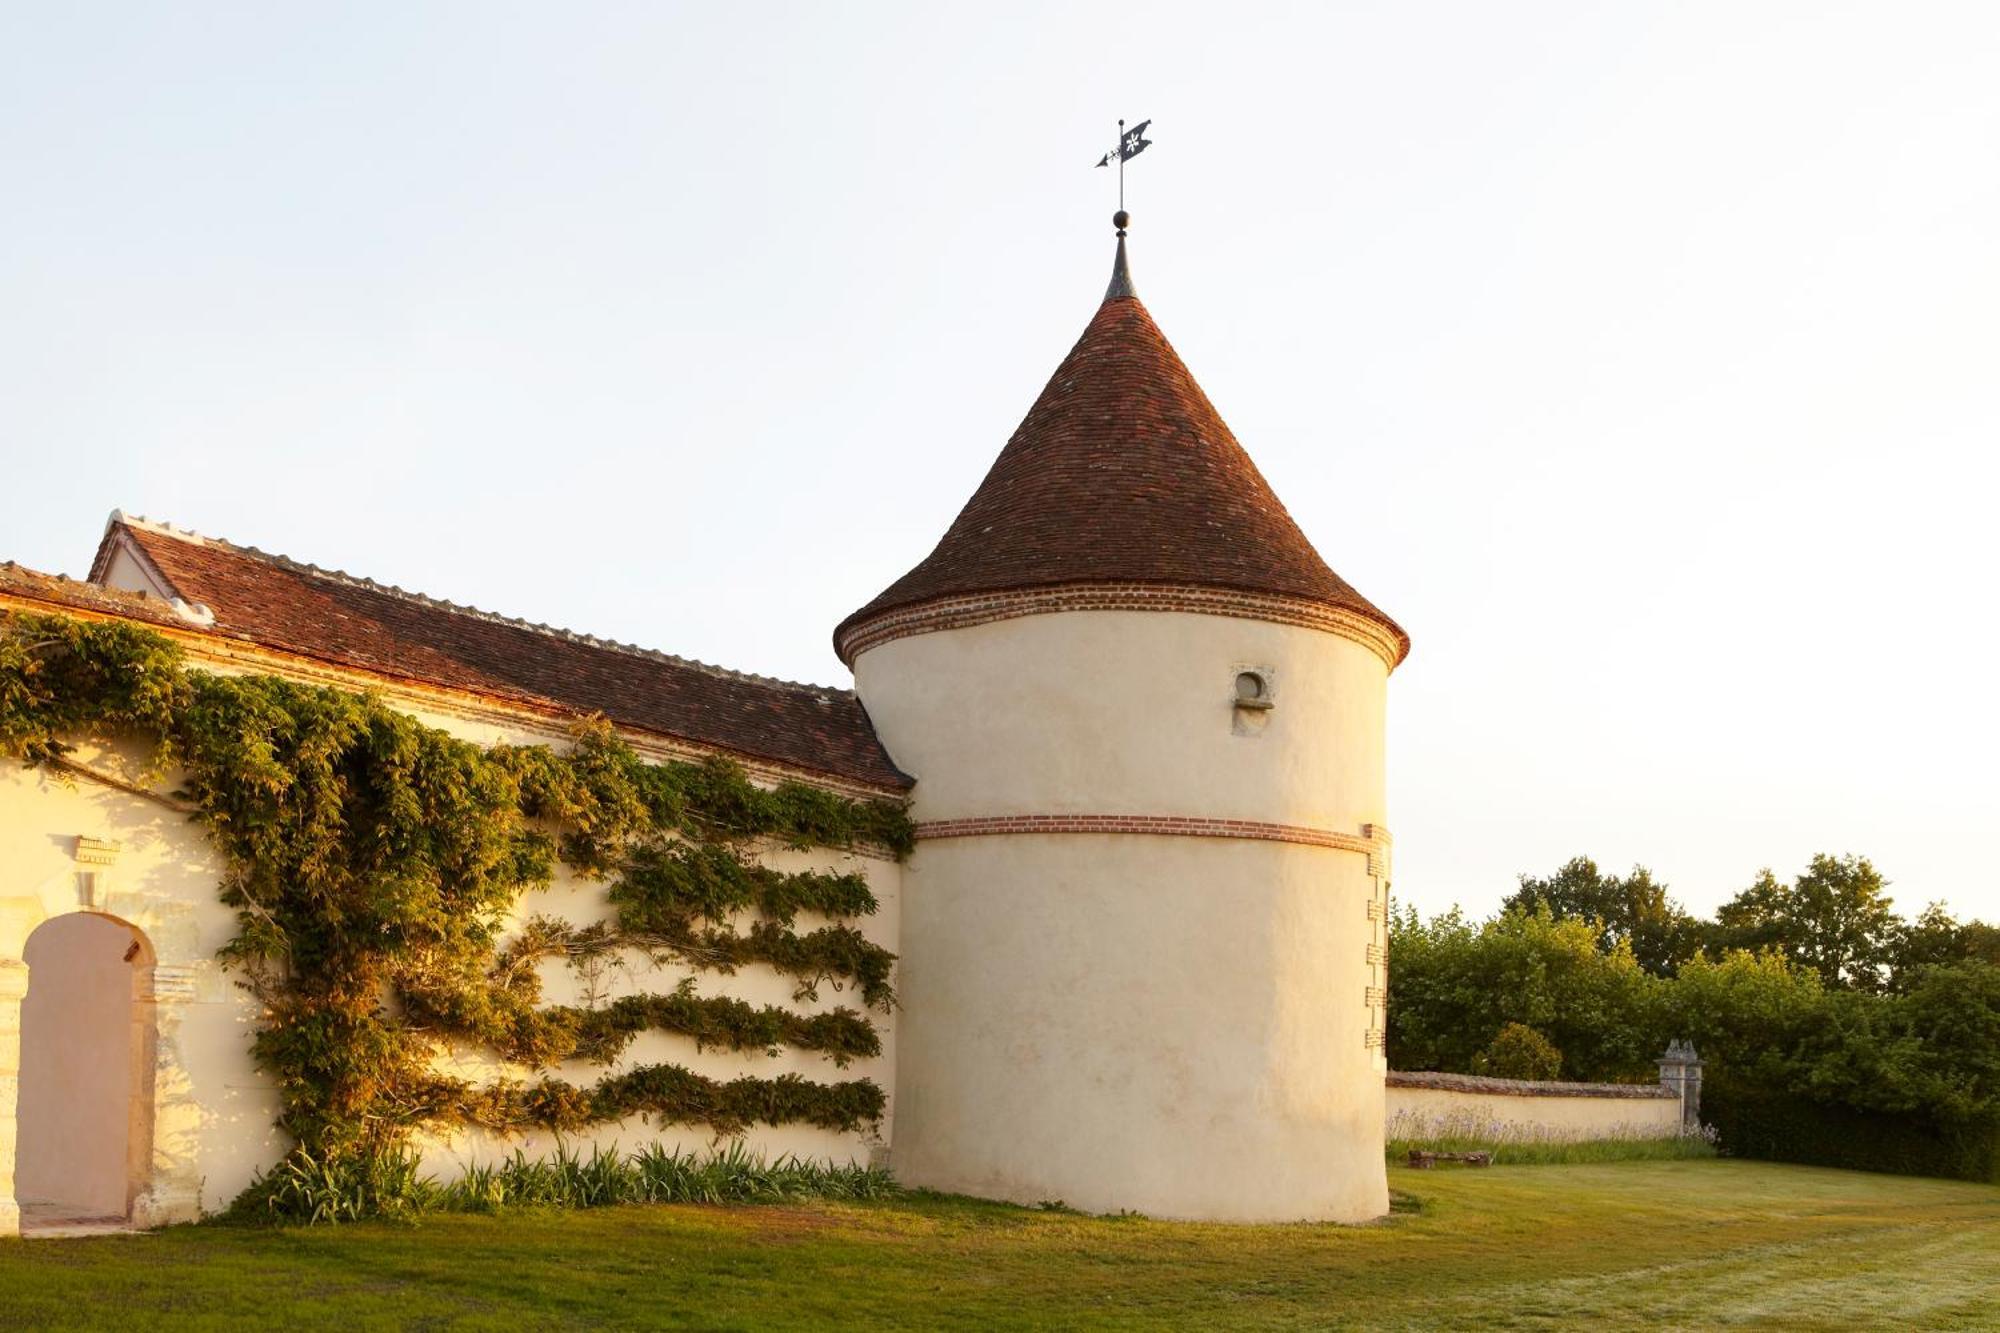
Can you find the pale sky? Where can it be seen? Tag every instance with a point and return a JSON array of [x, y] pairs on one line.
[[1642, 360]]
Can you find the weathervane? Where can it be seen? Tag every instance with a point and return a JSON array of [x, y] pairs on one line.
[[1131, 143]]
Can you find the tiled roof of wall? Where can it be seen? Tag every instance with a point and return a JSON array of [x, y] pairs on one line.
[[1515, 1087], [350, 622], [61, 592]]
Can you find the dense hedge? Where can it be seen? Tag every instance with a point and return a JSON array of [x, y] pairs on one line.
[[1776, 1125]]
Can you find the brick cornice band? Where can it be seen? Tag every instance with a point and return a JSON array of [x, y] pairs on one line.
[[1369, 842], [1389, 644]]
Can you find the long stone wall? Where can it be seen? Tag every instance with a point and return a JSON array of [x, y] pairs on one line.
[[1428, 1107], [201, 1112]]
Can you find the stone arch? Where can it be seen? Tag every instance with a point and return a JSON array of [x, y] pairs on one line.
[[84, 1111]]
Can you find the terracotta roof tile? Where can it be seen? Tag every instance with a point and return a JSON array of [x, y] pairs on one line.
[[349, 622], [1122, 471], [63, 593]]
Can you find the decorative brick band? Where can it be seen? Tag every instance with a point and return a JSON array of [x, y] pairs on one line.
[[1368, 844], [1385, 641]]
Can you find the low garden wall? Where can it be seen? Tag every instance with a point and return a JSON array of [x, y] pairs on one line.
[[1427, 1107]]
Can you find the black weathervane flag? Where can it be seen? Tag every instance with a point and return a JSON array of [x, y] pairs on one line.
[[1131, 143]]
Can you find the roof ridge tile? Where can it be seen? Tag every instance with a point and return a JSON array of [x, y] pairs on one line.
[[463, 609]]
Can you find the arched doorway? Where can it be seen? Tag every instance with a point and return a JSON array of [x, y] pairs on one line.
[[84, 1120]]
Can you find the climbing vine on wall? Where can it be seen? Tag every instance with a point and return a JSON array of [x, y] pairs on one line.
[[374, 863]]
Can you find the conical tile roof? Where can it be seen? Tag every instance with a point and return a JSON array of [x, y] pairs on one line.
[[1122, 473]]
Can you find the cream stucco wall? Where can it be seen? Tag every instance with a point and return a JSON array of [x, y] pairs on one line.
[[210, 1115], [1124, 712], [1169, 1024], [1424, 1113], [211, 1121]]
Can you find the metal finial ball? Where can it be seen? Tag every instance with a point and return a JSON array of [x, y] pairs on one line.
[[1121, 219]]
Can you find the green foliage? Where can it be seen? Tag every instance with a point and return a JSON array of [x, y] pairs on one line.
[[662, 885], [341, 1188], [60, 676], [1756, 1119], [1454, 985], [1516, 1150], [1632, 908], [675, 900], [1798, 1065], [301, 1189], [1936, 938], [669, 1094], [1742, 1008], [1949, 1022], [374, 862], [603, 796], [720, 1022], [1803, 1072], [1834, 918], [1518, 1051]]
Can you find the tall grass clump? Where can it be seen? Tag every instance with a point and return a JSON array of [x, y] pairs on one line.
[[313, 1189], [303, 1189], [1520, 1145]]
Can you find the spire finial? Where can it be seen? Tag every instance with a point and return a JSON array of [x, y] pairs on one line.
[[1131, 143], [1121, 288]]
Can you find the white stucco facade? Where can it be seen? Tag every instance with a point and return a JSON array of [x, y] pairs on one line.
[[198, 1118], [197, 1115], [1183, 1022], [1420, 1113]]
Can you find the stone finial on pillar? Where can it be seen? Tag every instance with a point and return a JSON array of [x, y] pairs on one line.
[[1680, 1074]]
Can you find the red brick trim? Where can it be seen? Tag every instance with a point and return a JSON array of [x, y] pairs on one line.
[[1169, 825], [1388, 643]]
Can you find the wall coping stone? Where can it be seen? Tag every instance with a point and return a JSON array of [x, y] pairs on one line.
[[1515, 1087]]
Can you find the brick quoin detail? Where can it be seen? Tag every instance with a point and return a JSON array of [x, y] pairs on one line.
[[1168, 825], [984, 608]]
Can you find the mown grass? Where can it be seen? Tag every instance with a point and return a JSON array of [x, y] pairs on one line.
[[1625, 1245]]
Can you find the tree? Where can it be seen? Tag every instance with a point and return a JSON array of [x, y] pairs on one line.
[[1454, 985], [1952, 1017], [1742, 1007], [1834, 918], [1520, 1052], [1634, 909], [1936, 939]]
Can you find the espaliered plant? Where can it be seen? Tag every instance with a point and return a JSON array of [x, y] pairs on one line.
[[720, 1022], [374, 863]]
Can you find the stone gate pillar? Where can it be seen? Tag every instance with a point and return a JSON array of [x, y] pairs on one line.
[[13, 989], [165, 1170], [1680, 1073]]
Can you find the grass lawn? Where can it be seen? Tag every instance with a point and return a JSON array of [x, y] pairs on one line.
[[1637, 1244]]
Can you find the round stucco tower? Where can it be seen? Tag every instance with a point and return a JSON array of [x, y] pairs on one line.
[[1144, 930]]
